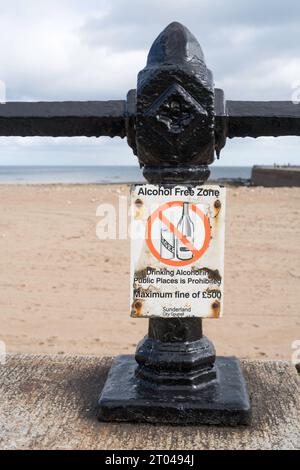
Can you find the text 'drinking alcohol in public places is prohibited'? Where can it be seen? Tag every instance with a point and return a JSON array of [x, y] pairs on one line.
[[177, 251]]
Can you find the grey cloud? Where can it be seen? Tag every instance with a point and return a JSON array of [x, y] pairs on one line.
[[238, 38], [133, 24]]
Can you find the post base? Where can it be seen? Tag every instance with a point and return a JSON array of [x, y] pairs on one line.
[[223, 402]]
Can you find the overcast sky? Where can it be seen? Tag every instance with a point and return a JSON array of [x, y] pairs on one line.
[[93, 49]]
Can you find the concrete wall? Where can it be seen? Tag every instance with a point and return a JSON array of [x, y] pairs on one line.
[[49, 402], [274, 177]]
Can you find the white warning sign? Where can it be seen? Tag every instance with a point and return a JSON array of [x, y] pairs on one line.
[[177, 251]]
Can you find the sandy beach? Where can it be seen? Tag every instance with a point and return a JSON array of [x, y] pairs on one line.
[[64, 291]]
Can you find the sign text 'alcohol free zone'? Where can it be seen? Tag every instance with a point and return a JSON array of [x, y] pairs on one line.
[[177, 260]]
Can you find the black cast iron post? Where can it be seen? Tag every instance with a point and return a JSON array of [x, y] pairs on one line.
[[175, 142], [176, 378]]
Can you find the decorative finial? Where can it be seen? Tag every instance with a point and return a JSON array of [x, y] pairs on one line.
[[175, 45], [175, 110]]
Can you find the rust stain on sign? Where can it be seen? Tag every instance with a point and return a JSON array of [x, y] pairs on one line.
[[139, 209], [213, 275], [137, 308], [217, 208], [216, 309]]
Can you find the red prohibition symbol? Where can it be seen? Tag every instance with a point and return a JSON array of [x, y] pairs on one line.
[[160, 215]]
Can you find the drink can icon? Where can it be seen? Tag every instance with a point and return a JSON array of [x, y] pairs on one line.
[[167, 244]]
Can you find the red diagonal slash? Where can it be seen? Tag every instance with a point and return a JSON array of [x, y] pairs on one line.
[[164, 220], [178, 234]]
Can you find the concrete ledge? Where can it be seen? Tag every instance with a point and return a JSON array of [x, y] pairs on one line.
[[48, 402], [270, 176]]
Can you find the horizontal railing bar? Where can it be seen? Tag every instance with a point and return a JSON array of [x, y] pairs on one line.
[[262, 118], [107, 118], [49, 109], [263, 108], [65, 118]]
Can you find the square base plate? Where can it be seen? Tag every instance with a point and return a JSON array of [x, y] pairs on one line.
[[224, 402]]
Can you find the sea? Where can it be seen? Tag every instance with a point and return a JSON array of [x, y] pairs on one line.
[[99, 174]]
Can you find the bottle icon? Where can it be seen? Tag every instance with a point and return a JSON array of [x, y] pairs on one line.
[[186, 227]]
